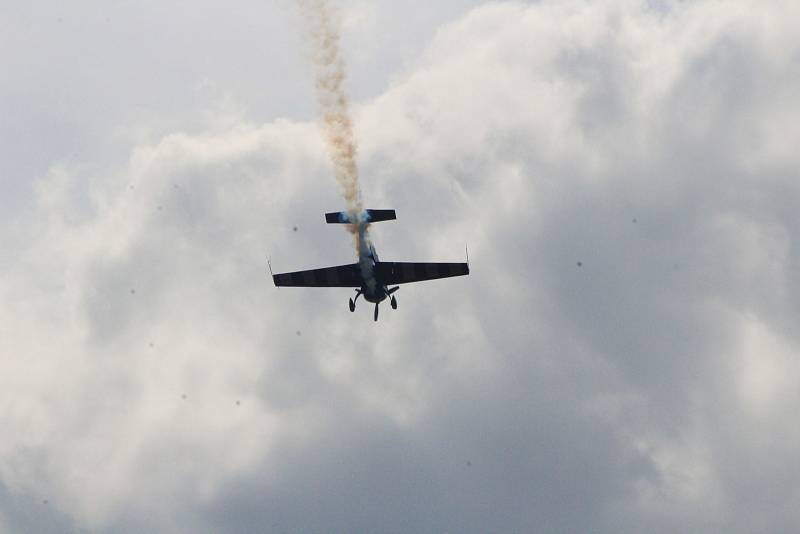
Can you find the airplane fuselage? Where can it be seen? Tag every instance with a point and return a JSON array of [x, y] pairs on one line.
[[376, 295], [373, 289]]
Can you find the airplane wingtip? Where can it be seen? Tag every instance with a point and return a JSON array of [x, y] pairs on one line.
[[269, 264]]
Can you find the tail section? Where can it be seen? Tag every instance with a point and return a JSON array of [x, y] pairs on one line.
[[369, 216]]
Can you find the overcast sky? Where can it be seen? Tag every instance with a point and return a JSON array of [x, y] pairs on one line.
[[624, 356]]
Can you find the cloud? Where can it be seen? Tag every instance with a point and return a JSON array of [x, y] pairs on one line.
[[620, 358]]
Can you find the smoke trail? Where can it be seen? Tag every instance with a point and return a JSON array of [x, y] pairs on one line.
[[334, 107], [336, 123]]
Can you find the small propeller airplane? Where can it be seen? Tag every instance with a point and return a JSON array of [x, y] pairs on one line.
[[370, 276]]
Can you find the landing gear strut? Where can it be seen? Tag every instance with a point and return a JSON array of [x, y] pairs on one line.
[[353, 302]]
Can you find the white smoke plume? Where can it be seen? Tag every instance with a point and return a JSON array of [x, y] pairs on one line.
[[335, 120]]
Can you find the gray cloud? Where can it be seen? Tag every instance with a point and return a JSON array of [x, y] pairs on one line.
[[622, 357]]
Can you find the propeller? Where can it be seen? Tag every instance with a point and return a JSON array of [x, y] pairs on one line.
[[392, 290], [376, 311]]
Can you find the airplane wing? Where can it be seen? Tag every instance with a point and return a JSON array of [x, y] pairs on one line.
[[393, 272], [339, 276]]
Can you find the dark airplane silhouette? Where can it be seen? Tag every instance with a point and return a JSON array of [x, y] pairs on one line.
[[370, 276]]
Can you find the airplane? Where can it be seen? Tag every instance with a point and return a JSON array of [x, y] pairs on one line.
[[370, 276]]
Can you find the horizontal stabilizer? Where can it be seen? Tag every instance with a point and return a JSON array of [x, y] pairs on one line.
[[370, 216]]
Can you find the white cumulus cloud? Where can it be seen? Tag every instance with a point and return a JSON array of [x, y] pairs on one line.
[[621, 357]]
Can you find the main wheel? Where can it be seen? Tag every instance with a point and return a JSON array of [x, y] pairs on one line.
[[394, 303], [352, 305]]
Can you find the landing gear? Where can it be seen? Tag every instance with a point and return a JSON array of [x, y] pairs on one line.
[[394, 303], [353, 301]]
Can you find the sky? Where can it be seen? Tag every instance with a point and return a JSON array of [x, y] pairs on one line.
[[623, 356]]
